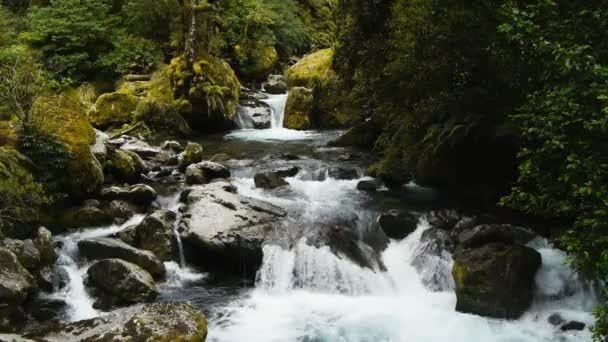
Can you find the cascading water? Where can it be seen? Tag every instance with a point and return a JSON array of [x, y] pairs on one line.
[[277, 105]]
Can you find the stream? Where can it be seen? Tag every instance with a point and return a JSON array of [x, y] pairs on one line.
[[307, 294]]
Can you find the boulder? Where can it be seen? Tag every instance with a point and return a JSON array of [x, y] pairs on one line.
[[253, 113], [16, 283], [155, 234], [192, 154], [138, 194], [298, 109], [398, 224], [205, 172], [113, 109], [573, 326], [93, 213], [269, 180], [25, 250], [44, 244], [489, 233], [150, 322], [287, 172], [495, 280], [367, 186], [106, 248], [345, 241], [172, 146], [122, 282], [224, 230], [317, 64], [342, 173], [444, 219], [261, 61], [124, 166], [99, 148], [140, 148], [276, 84], [556, 319]]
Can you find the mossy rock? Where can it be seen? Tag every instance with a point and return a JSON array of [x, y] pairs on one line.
[[64, 118], [298, 109], [314, 65], [125, 166], [260, 65], [495, 280], [211, 90], [114, 109]]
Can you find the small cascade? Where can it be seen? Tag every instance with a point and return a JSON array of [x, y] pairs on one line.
[[277, 104]]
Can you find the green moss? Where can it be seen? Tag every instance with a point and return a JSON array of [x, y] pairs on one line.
[[260, 64], [317, 64], [64, 118], [113, 109], [298, 109]]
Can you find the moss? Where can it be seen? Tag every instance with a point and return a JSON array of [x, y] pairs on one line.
[[64, 118], [392, 170], [125, 166], [317, 64], [211, 88], [260, 64], [298, 109], [113, 109]]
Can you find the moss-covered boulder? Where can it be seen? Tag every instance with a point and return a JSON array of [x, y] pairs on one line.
[[124, 166], [259, 64], [495, 280], [328, 108], [192, 154], [178, 322], [114, 109], [298, 109], [314, 65], [64, 118], [209, 90]]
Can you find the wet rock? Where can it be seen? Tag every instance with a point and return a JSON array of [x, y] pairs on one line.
[[122, 281], [155, 234], [141, 148], [253, 113], [443, 219], [124, 166], [495, 280], [489, 233], [573, 325], [205, 172], [93, 213], [16, 283], [25, 250], [192, 154], [556, 319], [151, 322], [289, 156], [342, 173], [433, 260], [44, 244], [45, 309], [345, 242], [269, 180], [276, 84], [99, 149], [224, 230], [121, 211], [367, 186], [398, 224], [172, 146], [287, 172], [106, 248], [139, 194]]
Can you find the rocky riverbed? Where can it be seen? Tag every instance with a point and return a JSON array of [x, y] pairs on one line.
[[276, 237]]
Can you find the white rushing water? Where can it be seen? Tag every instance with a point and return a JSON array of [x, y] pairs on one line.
[[310, 294]]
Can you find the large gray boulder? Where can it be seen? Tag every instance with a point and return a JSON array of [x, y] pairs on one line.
[[253, 113], [139, 194], [269, 180], [224, 230], [156, 234], [16, 283], [106, 248], [488, 233], [119, 282], [150, 322], [204, 172], [25, 250], [495, 280]]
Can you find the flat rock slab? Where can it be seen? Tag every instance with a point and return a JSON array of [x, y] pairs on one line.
[[225, 229]]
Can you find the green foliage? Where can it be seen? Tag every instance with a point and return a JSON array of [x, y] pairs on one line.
[[49, 155], [71, 34], [132, 54], [151, 19], [563, 164]]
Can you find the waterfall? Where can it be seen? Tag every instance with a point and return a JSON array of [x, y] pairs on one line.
[[277, 105]]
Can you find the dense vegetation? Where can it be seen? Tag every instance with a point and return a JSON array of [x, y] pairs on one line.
[[502, 101], [461, 88]]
